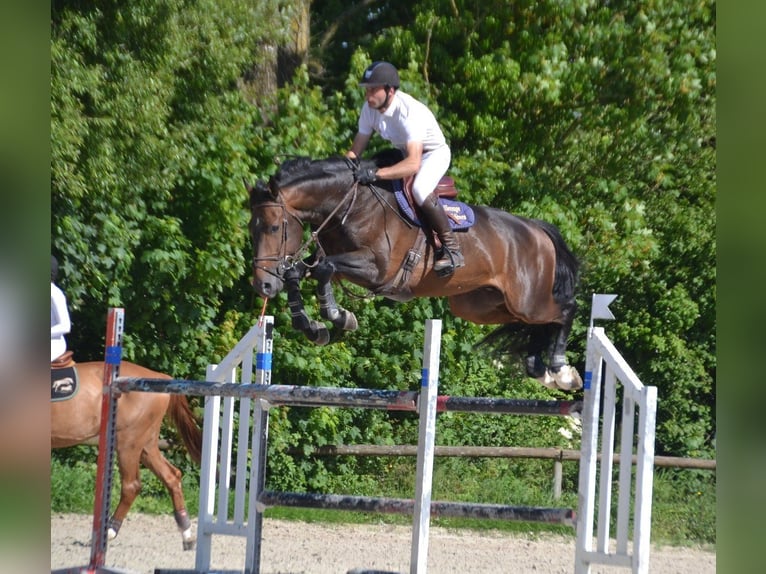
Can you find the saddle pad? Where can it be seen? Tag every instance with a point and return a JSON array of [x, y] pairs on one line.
[[64, 383], [459, 214]]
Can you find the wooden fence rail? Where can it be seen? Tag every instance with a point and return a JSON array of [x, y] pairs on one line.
[[558, 455], [552, 453]]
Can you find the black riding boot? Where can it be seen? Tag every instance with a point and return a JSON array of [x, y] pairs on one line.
[[450, 257]]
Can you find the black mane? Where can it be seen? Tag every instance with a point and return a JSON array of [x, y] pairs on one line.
[[302, 168]]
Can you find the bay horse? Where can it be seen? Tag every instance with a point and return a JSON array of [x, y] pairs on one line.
[[139, 417], [519, 273]]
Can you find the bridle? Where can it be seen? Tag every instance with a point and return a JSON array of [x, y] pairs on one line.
[[286, 261]]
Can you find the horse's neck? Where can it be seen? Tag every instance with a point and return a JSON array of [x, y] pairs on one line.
[[318, 204]]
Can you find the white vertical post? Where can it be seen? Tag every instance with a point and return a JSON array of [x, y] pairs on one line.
[[642, 519], [427, 403], [626, 468], [210, 427], [588, 455], [607, 461], [106, 438]]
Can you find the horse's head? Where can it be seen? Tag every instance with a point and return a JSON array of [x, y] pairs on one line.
[[276, 236], [302, 192]]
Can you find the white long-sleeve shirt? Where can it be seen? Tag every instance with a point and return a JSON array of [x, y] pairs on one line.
[[60, 322]]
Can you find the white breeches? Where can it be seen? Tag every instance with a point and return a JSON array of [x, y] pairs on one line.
[[432, 167]]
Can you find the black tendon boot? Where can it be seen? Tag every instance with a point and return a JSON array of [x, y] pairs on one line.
[[450, 257]]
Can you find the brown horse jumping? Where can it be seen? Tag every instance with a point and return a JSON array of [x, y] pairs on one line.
[[519, 272], [139, 417]]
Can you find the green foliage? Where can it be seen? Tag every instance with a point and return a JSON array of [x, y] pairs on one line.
[[696, 522]]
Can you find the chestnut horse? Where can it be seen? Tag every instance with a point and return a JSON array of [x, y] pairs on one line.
[[519, 273], [139, 417]]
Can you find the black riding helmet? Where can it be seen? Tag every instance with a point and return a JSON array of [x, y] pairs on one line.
[[380, 74]]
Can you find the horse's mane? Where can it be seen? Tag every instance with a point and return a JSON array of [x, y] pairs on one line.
[[302, 167]]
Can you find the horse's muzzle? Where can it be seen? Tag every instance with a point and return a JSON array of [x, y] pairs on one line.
[[268, 286]]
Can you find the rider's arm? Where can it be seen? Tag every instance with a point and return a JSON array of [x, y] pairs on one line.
[[408, 166], [360, 144]]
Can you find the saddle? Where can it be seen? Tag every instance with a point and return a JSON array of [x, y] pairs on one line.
[[460, 215], [64, 379], [63, 361]]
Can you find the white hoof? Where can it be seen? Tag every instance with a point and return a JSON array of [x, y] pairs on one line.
[[568, 379], [111, 534], [547, 380], [188, 539]]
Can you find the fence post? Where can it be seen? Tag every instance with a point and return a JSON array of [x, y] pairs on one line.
[[427, 404]]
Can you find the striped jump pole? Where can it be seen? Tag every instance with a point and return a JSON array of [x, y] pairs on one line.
[[301, 396], [438, 509]]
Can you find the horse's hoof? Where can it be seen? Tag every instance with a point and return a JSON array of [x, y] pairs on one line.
[[111, 534], [547, 380], [350, 323], [318, 334], [187, 536], [567, 378]]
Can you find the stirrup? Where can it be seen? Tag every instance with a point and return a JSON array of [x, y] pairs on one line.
[[448, 263]]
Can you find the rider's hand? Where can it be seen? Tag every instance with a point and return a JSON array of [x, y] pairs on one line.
[[366, 176]]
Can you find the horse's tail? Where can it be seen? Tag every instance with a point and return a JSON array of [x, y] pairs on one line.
[[513, 339], [567, 275], [183, 419]]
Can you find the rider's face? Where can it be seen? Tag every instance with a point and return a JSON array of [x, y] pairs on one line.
[[375, 96]]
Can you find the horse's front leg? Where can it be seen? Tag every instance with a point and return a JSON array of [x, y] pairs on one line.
[[315, 331], [328, 307]]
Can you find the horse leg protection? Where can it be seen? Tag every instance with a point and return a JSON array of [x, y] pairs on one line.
[[535, 366], [315, 331], [184, 525], [328, 306]]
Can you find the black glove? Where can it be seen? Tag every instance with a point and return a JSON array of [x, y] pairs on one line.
[[366, 176]]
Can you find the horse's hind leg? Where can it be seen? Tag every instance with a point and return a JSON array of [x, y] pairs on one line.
[[130, 486], [170, 476], [328, 306], [565, 376], [315, 331], [539, 343]]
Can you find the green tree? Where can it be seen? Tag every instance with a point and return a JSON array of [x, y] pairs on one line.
[[149, 139]]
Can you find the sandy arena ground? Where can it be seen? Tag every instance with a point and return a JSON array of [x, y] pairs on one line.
[[149, 542]]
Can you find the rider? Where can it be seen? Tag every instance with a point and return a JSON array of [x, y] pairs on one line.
[[60, 323], [410, 126]]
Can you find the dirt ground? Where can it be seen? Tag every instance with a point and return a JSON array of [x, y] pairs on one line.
[[149, 542]]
